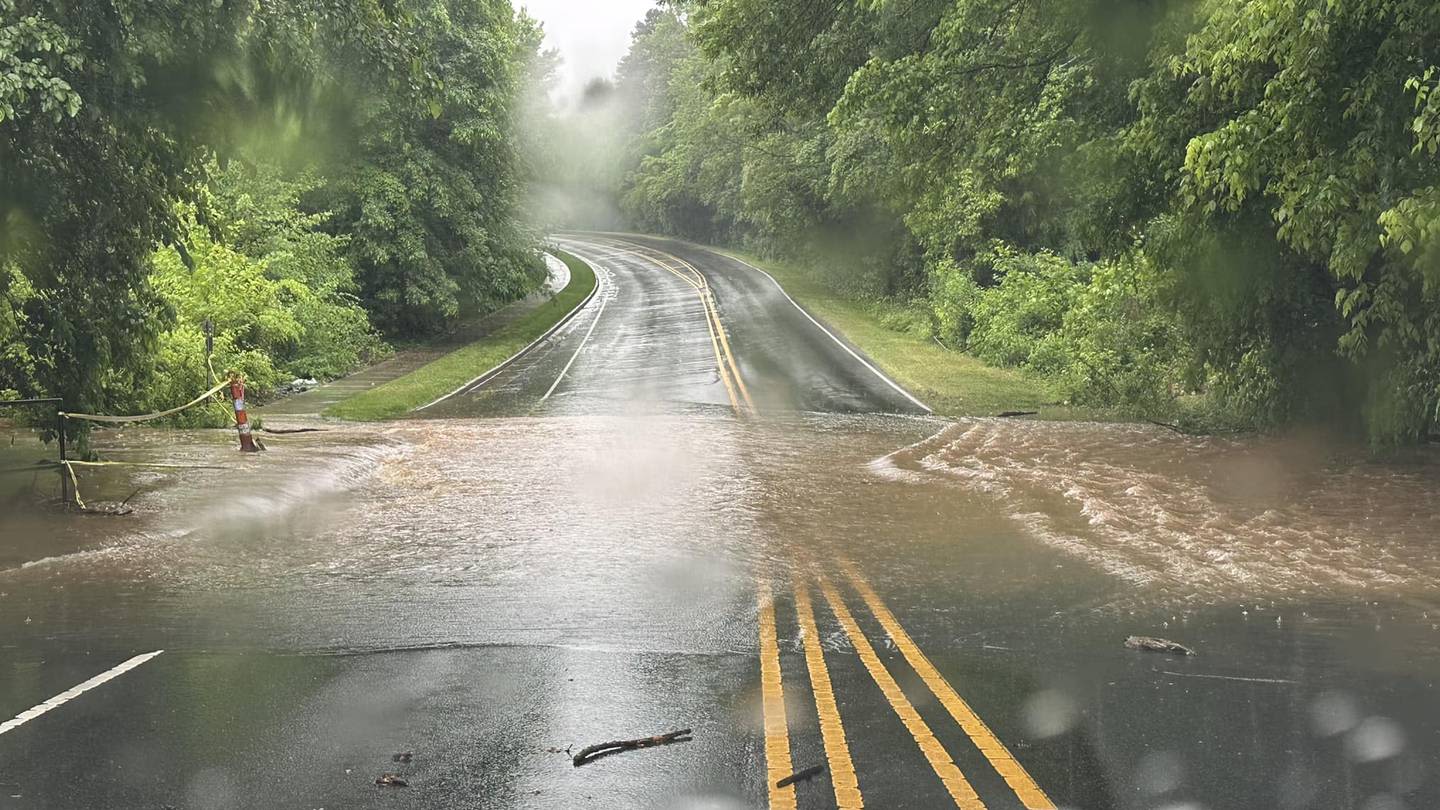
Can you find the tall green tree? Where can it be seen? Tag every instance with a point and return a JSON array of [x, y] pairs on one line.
[[1233, 200], [112, 113], [431, 199]]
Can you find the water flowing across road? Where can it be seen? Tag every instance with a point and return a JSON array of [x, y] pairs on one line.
[[517, 574]]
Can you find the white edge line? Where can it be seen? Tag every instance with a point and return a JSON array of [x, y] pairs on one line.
[[516, 356], [76, 691], [588, 333], [838, 341], [866, 363]]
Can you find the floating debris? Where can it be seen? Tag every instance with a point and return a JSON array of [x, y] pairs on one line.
[[404, 756], [1160, 645], [391, 780]]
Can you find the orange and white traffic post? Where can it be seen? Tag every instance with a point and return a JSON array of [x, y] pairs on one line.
[[242, 422]]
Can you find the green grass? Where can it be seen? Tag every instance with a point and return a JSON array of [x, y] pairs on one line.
[[431, 381], [893, 336]]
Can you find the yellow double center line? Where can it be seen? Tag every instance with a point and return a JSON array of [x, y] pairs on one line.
[[842, 770], [725, 363], [990, 746], [772, 697], [832, 731]]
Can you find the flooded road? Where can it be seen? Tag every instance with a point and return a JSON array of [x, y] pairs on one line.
[[609, 541]]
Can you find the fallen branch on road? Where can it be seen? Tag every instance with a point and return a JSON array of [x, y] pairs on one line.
[[605, 749]]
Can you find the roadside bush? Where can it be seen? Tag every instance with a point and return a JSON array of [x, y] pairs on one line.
[[1015, 321], [1123, 348], [1101, 331], [15, 360]]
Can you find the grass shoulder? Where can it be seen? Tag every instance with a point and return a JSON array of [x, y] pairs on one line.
[[433, 380], [953, 383]]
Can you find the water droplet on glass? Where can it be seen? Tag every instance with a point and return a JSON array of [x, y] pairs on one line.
[[1049, 713], [1375, 739], [1159, 772], [1334, 713]]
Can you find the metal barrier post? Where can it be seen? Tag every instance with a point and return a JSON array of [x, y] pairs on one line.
[[242, 422], [64, 468]]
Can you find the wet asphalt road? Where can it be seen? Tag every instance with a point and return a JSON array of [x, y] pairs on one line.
[[642, 526], [648, 342]]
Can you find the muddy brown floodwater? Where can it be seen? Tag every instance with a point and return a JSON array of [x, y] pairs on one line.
[[1018, 555]]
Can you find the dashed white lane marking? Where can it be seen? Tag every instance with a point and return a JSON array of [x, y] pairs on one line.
[[76, 691]]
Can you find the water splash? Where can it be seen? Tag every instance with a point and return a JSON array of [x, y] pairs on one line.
[[1205, 516]]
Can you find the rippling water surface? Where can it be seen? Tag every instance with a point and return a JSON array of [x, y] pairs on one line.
[[1208, 518], [488, 503]]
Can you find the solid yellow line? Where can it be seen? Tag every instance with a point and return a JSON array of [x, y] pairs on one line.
[[777, 729], [999, 756], [832, 731], [724, 340], [714, 344], [711, 311], [719, 363], [955, 782], [725, 343], [720, 367]]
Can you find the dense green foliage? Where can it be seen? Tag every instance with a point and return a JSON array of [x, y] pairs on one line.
[[439, 377], [1224, 207], [276, 289], [128, 129]]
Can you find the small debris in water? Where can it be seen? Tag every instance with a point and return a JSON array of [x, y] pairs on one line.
[[391, 780], [801, 776], [1160, 645], [404, 756], [106, 510], [616, 746], [1011, 414]]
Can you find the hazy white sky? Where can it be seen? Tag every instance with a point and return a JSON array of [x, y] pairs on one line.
[[591, 35]]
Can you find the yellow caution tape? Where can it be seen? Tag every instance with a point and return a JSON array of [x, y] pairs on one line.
[[145, 417], [74, 483]]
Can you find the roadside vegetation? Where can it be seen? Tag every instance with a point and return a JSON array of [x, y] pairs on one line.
[[1220, 213], [438, 378], [896, 335], [313, 180]]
